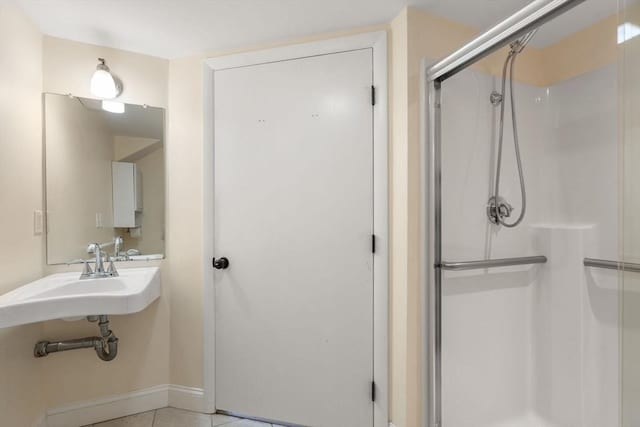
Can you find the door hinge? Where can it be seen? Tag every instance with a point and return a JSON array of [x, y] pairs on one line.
[[373, 243], [373, 95], [373, 391]]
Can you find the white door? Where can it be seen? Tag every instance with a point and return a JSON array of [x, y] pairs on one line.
[[294, 217]]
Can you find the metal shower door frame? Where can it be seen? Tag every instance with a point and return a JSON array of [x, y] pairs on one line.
[[532, 16]]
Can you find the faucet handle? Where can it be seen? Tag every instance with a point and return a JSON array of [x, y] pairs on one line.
[[111, 270], [86, 270]]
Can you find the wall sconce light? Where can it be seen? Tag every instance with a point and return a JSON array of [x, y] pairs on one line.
[[103, 83]]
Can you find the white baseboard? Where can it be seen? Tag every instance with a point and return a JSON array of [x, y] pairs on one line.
[[189, 398], [106, 408]]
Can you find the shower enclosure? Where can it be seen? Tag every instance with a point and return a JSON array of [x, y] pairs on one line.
[[534, 321]]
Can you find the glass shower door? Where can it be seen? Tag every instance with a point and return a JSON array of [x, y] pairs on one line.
[[629, 89]]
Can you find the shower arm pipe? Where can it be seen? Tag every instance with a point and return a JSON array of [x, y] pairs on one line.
[[517, 25], [532, 16]]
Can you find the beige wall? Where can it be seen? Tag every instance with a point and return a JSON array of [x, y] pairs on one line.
[[398, 102], [22, 253], [143, 358], [129, 149], [79, 150], [184, 220], [68, 67], [583, 51]]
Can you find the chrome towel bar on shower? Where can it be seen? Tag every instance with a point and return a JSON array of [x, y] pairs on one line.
[[492, 263], [612, 265]]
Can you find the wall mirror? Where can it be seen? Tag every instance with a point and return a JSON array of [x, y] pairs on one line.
[[105, 178]]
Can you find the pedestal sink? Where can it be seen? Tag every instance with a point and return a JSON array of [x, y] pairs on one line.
[[64, 295]]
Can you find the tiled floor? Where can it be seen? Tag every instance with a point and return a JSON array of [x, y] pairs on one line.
[[170, 417]]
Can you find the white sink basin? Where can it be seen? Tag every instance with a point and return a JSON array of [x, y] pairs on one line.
[[64, 295]]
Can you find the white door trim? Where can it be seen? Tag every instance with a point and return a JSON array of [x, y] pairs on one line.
[[377, 41]]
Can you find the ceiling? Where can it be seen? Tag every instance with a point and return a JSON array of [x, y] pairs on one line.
[[175, 28]]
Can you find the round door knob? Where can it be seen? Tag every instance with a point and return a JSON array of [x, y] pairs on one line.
[[221, 263]]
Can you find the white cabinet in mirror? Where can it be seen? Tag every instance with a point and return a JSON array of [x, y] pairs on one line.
[[105, 179]]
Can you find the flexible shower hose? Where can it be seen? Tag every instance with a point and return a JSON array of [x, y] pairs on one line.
[[511, 59]]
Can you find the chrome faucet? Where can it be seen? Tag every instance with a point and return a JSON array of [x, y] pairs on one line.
[[118, 243], [100, 258]]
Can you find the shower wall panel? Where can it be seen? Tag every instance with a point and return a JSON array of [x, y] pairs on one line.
[[531, 346]]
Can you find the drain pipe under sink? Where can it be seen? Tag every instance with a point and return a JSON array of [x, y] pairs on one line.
[[106, 346]]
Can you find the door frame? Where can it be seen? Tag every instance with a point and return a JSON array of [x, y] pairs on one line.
[[377, 41]]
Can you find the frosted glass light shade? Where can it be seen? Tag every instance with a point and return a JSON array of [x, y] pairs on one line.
[[113, 106], [103, 84]]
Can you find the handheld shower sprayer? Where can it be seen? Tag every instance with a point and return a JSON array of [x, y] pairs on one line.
[[498, 209]]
